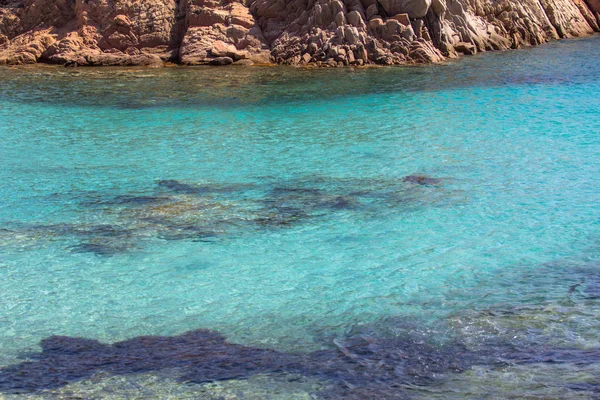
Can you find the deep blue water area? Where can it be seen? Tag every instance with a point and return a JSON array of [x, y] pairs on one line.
[[278, 233]]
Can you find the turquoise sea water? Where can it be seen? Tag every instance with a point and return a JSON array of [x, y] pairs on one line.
[[270, 205]]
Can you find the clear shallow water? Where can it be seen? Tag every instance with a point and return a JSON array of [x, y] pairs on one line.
[[269, 205]]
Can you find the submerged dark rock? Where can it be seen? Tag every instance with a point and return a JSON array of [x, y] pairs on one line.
[[340, 202], [102, 248], [102, 239], [138, 200], [281, 216], [205, 356], [421, 180], [557, 356], [286, 205], [176, 210], [78, 230], [380, 365], [592, 286], [181, 187], [125, 200], [298, 191], [189, 232]]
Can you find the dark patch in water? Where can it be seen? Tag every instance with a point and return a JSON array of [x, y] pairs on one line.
[[299, 191], [178, 187], [139, 200], [102, 248], [102, 240], [588, 280], [422, 180], [378, 366], [557, 356], [127, 200], [79, 230], [586, 387], [592, 287], [538, 79], [103, 230], [284, 206], [189, 232], [205, 356], [340, 203], [221, 209], [181, 188], [280, 216]]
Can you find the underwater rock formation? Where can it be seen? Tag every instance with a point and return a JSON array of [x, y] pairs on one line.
[[365, 362], [298, 32], [202, 355], [178, 210]]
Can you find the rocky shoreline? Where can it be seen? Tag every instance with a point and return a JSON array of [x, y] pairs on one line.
[[298, 32]]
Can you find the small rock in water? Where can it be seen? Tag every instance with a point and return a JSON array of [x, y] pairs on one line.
[[421, 180]]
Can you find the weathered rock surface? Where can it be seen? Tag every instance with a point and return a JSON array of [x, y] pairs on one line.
[[296, 32]]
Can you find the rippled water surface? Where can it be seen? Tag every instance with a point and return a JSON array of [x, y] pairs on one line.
[[277, 233]]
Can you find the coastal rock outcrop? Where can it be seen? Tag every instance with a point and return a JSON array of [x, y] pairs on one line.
[[297, 32]]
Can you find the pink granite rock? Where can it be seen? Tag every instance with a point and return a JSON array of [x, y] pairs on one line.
[[321, 32]]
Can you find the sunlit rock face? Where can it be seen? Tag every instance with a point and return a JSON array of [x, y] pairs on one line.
[[297, 32]]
